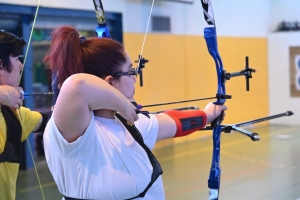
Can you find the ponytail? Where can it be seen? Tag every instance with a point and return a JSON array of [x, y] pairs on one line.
[[65, 53], [70, 54]]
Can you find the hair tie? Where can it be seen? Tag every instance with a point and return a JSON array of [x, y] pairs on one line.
[[82, 39]]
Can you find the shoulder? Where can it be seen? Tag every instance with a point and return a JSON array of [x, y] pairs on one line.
[[29, 120], [27, 112], [54, 140]]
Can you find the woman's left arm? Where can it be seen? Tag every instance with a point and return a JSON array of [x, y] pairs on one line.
[[174, 123], [167, 126]]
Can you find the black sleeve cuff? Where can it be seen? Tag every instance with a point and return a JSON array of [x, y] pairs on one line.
[[44, 122]]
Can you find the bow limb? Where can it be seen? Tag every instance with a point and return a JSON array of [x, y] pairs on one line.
[[102, 29]]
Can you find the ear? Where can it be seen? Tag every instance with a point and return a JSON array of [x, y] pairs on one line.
[[109, 79]]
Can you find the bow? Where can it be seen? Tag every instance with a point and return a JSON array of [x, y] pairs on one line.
[[221, 96], [210, 35]]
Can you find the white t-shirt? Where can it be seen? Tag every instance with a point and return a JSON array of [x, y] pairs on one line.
[[105, 162]]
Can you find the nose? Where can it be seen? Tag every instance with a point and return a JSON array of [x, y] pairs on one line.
[[134, 78], [135, 75], [21, 66]]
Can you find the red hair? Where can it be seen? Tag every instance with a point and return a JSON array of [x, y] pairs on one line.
[[68, 55]]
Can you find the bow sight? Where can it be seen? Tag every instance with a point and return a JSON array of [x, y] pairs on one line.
[[141, 64], [247, 72]]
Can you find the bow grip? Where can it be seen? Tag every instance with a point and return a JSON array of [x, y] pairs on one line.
[[217, 122]]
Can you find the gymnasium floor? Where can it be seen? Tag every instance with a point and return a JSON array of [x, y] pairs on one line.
[[264, 170]]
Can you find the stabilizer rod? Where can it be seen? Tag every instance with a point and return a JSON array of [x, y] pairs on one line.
[[227, 128]]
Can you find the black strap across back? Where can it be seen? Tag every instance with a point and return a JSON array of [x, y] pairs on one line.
[[12, 149]]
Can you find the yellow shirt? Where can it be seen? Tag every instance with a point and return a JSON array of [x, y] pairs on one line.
[[9, 171]]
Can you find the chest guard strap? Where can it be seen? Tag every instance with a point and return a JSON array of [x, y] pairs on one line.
[[12, 149]]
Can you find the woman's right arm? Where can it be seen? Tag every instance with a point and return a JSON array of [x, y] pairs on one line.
[[80, 94]]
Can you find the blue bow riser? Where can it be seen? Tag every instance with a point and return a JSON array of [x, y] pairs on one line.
[[212, 46], [102, 31]]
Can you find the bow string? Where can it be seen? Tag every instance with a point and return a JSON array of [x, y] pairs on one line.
[[210, 35], [21, 73]]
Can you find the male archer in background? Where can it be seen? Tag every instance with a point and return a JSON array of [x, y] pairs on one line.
[[16, 122]]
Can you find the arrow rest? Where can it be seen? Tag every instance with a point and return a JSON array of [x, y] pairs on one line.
[[223, 96]]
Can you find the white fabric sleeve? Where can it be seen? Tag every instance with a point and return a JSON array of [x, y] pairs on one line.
[[55, 141], [148, 128]]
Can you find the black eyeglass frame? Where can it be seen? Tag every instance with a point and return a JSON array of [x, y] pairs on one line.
[[132, 72]]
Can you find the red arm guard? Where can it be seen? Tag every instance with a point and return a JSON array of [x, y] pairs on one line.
[[187, 122]]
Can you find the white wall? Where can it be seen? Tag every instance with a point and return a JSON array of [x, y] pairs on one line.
[[233, 17], [279, 61], [255, 18], [280, 99], [111, 5], [284, 10]]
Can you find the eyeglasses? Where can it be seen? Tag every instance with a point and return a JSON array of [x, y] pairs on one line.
[[21, 58], [132, 73]]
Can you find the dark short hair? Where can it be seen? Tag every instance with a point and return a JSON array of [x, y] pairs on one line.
[[10, 45]]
